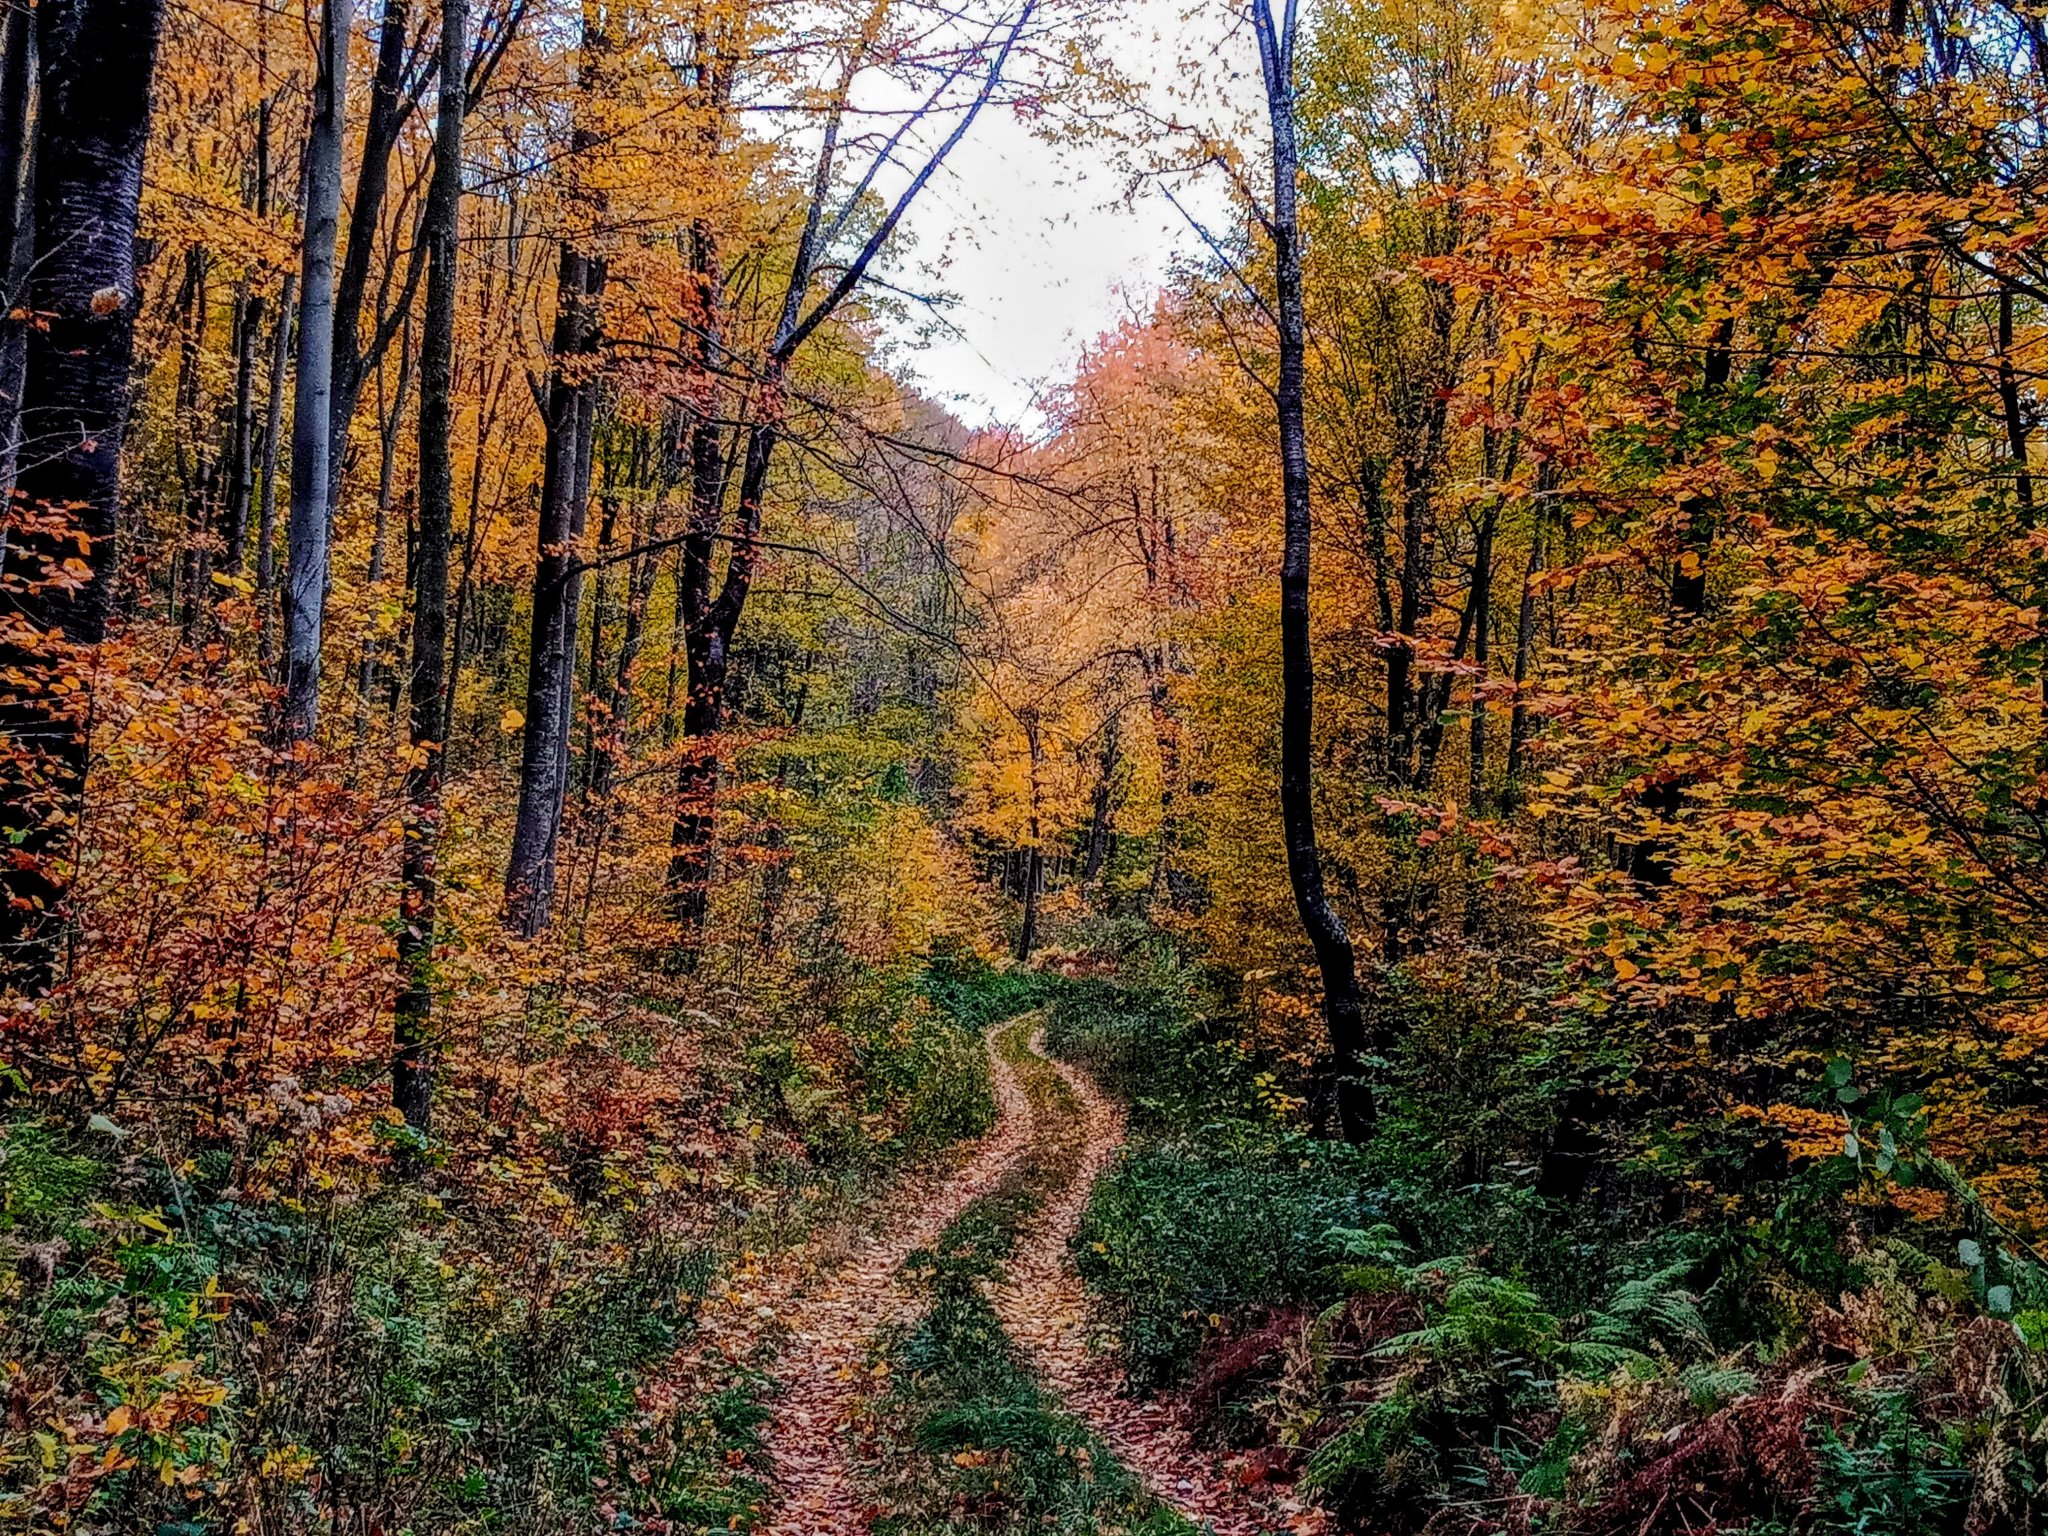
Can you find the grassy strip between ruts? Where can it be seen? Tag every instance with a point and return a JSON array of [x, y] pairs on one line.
[[964, 1438]]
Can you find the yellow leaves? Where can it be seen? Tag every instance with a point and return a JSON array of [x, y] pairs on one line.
[[511, 722]]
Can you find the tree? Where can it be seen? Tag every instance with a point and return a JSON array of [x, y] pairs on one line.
[[1343, 1012], [412, 1070], [97, 59], [710, 623], [312, 512]]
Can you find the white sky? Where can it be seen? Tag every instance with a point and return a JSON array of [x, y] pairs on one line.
[[1040, 245]]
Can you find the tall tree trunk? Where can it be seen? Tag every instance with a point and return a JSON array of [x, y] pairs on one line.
[[1525, 647], [240, 473], [387, 114], [390, 418], [1482, 626], [1166, 735], [557, 595], [709, 644], [266, 486], [1343, 1012], [189, 594], [1098, 810], [17, 226], [310, 534], [97, 59], [618, 714], [412, 1064]]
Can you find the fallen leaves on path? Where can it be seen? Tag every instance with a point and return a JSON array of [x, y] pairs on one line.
[[1044, 1309], [823, 1357]]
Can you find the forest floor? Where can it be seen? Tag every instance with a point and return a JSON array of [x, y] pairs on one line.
[[828, 1306]]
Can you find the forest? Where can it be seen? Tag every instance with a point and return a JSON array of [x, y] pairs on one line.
[[1405, 908]]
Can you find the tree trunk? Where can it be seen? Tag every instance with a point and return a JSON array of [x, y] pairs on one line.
[[389, 421], [1098, 811], [412, 1065], [97, 59], [1034, 877], [240, 473], [618, 715], [17, 227], [387, 114], [266, 487], [1525, 647], [1482, 625], [557, 594], [1342, 1010], [306, 573], [189, 584]]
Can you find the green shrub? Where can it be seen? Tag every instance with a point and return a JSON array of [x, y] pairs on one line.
[[1176, 1234]]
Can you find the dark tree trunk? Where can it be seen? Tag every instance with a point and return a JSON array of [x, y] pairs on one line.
[[266, 483], [412, 1059], [96, 59], [240, 474], [311, 531], [557, 593], [1343, 1012], [190, 581], [1034, 877], [1482, 631], [2017, 426], [17, 225], [1098, 811], [390, 419], [1525, 647], [711, 627], [618, 714], [389, 108]]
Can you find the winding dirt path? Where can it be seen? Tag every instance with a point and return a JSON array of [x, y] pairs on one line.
[[823, 1353], [1044, 1308], [818, 1309]]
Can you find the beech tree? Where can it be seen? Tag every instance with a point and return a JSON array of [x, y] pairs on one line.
[[312, 512]]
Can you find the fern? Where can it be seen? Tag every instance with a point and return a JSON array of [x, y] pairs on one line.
[[1649, 1308], [1362, 1448]]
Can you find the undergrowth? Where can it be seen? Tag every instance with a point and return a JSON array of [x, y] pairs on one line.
[[1428, 1342]]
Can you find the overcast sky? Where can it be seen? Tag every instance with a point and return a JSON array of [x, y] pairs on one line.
[[1040, 244]]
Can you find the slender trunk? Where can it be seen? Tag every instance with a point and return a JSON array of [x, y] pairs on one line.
[[1098, 811], [1482, 624], [412, 1064], [1525, 647], [1166, 735], [557, 594], [197, 476], [1034, 877], [387, 114], [618, 715], [266, 484], [600, 622], [390, 419], [17, 226], [310, 534], [97, 59], [2017, 427], [241, 469], [1343, 1012]]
